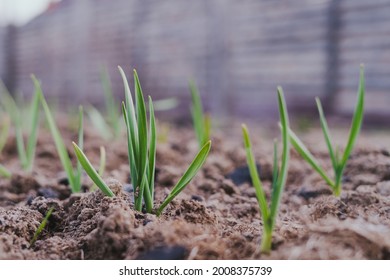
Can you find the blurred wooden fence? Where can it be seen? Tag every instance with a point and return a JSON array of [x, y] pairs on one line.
[[237, 51]]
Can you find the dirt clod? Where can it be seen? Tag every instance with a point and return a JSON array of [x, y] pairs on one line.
[[217, 215]]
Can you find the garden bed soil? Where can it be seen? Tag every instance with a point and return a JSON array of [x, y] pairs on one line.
[[216, 216]]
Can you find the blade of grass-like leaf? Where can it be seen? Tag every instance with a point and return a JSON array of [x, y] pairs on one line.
[[142, 142], [197, 113], [207, 128], [152, 147], [9, 103], [111, 106], [308, 157], [13, 111], [325, 130], [90, 170], [61, 149], [78, 171], [142, 124], [187, 176], [4, 132], [275, 172], [4, 172], [132, 160], [131, 121], [41, 226], [34, 127], [20, 146], [356, 121], [197, 128], [254, 174], [282, 176], [102, 165], [99, 122]]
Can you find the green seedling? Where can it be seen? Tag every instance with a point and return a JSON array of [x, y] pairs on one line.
[[91, 171], [112, 128], [339, 162], [26, 153], [4, 172], [41, 226], [142, 152], [74, 175], [202, 123], [269, 213], [4, 132]]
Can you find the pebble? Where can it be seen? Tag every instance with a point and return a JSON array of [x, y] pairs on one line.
[[242, 175]]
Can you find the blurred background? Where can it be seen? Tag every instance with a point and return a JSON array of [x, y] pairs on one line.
[[237, 52]]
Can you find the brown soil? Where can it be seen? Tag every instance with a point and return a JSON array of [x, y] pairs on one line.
[[214, 218]]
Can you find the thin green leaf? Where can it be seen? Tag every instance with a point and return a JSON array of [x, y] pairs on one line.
[[111, 106], [41, 226], [356, 121], [90, 170], [14, 113], [78, 171], [192, 170], [197, 114], [275, 172], [34, 127], [102, 165], [307, 156], [142, 143], [99, 122], [20, 146], [207, 127], [282, 176], [132, 160], [61, 148], [145, 191], [327, 137], [9, 104], [130, 120], [4, 132], [4, 172], [260, 195], [152, 147], [142, 126]]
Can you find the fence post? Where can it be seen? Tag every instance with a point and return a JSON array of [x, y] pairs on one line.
[[332, 74]]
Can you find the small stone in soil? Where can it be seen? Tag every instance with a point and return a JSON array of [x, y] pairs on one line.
[[128, 188], [385, 152], [346, 179], [313, 194], [29, 200], [165, 253], [48, 193], [228, 187], [196, 197], [242, 175], [63, 181]]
